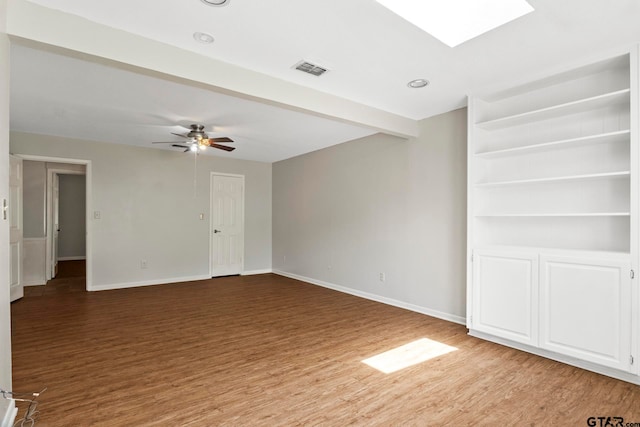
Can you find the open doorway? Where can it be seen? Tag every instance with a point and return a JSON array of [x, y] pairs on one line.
[[68, 230], [56, 198]]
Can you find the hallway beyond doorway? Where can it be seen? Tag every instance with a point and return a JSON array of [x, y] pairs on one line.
[[72, 277]]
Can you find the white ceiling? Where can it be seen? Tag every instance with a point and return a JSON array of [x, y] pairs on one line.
[[59, 95], [370, 52]]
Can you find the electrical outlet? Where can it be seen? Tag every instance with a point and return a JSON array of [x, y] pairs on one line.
[[143, 264], [382, 277], [284, 258], [96, 214]]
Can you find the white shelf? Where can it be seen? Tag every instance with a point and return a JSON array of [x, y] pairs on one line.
[[592, 103], [556, 215], [555, 251], [586, 177], [615, 137]]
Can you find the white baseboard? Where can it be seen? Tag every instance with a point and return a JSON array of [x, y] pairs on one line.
[[34, 284], [253, 272], [378, 298], [593, 367], [166, 281], [72, 258], [9, 415]]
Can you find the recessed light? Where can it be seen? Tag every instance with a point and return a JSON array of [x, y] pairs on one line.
[[216, 2], [418, 83], [455, 21], [203, 37]]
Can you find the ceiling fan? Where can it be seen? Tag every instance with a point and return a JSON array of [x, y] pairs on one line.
[[198, 140]]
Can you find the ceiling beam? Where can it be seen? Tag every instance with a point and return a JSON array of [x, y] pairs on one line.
[[34, 23]]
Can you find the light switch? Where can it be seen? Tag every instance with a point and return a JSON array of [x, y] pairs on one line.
[[201, 216]]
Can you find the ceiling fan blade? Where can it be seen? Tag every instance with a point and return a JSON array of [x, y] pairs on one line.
[[180, 146], [165, 142], [221, 139], [186, 151], [222, 147], [181, 136]]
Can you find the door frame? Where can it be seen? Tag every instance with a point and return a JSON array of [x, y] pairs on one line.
[[88, 207], [16, 292], [49, 262], [212, 175]]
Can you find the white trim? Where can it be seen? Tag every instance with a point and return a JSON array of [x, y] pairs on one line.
[[244, 190], [36, 278], [34, 284], [634, 109], [71, 258], [88, 206], [166, 281], [51, 173], [373, 297], [9, 415], [578, 363], [254, 272]]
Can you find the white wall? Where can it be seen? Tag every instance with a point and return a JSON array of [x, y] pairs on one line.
[[6, 409], [34, 198], [71, 239], [148, 210], [380, 204]]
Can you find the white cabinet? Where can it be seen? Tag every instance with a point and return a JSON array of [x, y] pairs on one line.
[[586, 309], [505, 296], [553, 214]]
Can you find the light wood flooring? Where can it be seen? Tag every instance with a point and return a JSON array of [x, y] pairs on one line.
[[271, 351]]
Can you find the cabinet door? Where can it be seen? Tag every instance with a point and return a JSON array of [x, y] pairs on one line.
[[586, 309], [505, 294]]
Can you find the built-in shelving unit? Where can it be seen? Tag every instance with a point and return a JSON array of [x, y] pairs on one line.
[[552, 213], [619, 97], [558, 147], [609, 137], [586, 177]]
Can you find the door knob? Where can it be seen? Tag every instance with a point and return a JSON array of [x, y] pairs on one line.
[[217, 231]]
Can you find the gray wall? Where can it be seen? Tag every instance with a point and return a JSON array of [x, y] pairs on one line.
[[148, 209], [72, 216], [34, 198], [380, 204]]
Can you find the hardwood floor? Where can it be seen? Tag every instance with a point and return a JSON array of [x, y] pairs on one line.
[[71, 277], [271, 351]]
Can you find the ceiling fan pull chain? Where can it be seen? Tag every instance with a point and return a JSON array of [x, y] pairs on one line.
[[195, 174]]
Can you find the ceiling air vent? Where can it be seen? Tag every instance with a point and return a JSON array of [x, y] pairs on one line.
[[310, 68]]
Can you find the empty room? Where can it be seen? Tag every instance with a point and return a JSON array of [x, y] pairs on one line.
[[288, 213]]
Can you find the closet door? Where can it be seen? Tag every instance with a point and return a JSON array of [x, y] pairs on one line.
[[586, 308], [505, 294]]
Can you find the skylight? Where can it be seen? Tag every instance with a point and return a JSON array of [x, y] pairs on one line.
[[455, 21]]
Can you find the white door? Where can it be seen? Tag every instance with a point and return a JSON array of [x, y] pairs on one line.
[[227, 225], [505, 294], [586, 309], [55, 222], [15, 227]]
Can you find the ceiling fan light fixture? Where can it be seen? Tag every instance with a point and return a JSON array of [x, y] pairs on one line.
[[216, 2], [203, 38], [193, 147]]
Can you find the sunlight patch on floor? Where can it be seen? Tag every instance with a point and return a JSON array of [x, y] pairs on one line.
[[408, 355]]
